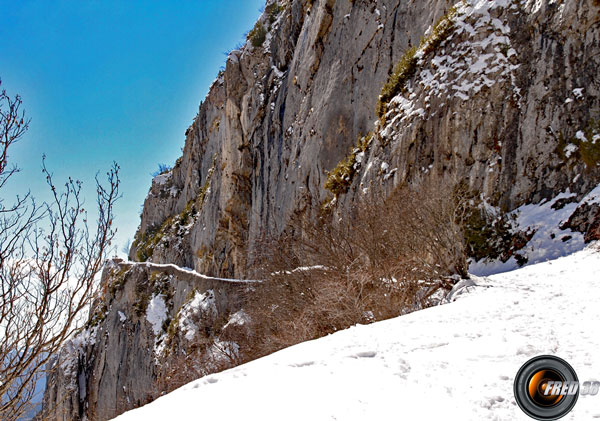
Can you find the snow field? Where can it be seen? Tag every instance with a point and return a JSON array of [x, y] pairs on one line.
[[454, 361]]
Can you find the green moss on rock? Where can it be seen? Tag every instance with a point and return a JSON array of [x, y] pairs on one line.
[[406, 68], [590, 150], [587, 146], [257, 35], [340, 178], [145, 243]]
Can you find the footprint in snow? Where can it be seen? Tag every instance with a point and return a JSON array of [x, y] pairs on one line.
[[491, 401], [364, 354], [432, 346], [304, 364]]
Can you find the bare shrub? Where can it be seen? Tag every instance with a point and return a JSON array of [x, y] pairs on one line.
[[203, 356], [387, 258], [178, 369], [162, 169]]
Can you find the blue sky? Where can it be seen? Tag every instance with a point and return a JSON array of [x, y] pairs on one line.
[[106, 80]]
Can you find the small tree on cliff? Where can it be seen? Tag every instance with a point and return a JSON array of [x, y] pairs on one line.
[[49, 259]]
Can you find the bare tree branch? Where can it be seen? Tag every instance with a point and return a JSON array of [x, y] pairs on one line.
[[49, 259]]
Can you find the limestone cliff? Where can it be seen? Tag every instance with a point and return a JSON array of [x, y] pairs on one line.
[[501, 95]]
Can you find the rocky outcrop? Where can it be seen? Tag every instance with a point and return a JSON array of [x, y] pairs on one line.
[[501, 95], [586, 220], [506, 99]]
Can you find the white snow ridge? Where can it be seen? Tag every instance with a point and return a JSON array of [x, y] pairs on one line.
[[455, 361]]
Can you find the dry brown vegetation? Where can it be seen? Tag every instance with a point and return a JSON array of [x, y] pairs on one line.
[[386, 260], [203, 357]]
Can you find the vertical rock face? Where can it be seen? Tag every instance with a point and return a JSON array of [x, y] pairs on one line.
[[276, 120], [504, 96]]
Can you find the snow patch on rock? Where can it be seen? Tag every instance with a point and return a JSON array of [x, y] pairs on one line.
[[480, 56], [200, 306], [550, 241], [162, 179], [239, 318], [156, 313]]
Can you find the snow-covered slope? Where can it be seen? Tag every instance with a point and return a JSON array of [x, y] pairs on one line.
[[551, 239], [455, 361]]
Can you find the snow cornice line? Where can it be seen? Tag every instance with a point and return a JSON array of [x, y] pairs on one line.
[[174, 269]]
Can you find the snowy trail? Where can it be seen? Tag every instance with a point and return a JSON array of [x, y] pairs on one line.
[[456, 361], [185, 272]]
